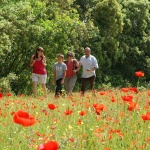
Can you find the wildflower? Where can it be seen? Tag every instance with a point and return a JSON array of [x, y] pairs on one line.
[[148, 139], [127, 98], [51, 106], [125, 89], [68, 112], [146, 116], [98, 108], [79, 122], [113, 99], [23, 118], [139, 74], [71, 139], [133, 89], [102, 92], [12, 113], [51, 145], [1, 95], [8, 94], [82, 113], [131, 106]]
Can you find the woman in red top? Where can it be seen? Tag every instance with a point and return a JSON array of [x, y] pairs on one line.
[[39, 74], [72, 68]]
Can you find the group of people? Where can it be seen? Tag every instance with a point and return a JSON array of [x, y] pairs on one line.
[[65, 71]]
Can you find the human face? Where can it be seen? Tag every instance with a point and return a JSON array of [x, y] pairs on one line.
[[60, 59], [70, 57], [40, 52], [87, 52]]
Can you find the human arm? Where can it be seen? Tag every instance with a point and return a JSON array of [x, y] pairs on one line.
[[54, 74], [63, 79], [44, 61], [94, 65], [77, 66], [93, 69], [32, 61], [64, 73]]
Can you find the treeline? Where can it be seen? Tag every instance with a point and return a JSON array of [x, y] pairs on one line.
[[117, 31]]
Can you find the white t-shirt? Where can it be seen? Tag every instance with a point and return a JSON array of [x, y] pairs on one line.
[[88, 63], [60, 68]]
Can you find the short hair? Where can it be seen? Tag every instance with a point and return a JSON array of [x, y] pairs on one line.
[[60, 55], [87, 48], [70, 54]]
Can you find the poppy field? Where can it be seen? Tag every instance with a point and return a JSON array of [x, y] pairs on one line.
[[116, 119], [113, 119]]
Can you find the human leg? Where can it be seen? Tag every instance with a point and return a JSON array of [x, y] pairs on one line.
[[34, 84], [71, 83], [44, 89], [58, 87], [42, 80], [66, 83], [83, 83], [34, 88], [91, 81]]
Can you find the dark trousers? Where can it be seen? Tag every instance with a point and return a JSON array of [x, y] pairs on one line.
[[84, 82], [58, 87]]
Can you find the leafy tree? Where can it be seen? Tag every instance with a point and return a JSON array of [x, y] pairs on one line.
[[25, 25], [135, 40]]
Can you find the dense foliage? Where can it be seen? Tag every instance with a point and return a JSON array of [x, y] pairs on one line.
[[118, 33]]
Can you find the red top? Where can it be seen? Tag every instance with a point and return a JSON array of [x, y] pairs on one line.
[[70, 67], [39, 68]]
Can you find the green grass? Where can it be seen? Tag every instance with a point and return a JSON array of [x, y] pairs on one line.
[[115, 127]]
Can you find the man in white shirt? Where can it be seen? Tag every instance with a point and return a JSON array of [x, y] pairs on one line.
[[89, 65]]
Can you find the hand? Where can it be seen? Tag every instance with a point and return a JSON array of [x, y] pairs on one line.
[[62, 81], [88, 70], [74, 71]]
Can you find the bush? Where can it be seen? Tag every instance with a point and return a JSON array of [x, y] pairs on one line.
[[5, 82]]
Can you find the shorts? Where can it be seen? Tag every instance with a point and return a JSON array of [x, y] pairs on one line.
[[41, 78]]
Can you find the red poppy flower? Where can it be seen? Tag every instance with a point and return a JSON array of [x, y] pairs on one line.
[[146, 116], [12, 113], [134, 89], [79, 122], [71, 139], [51, 145], [82, 113], [102, 92], [8, 94], [125, 89], [52, 106], [113, 99], [98, 108], [1, 95], [23, 118], [68, 112], [131, 106], [127, 98], [139, 74]]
